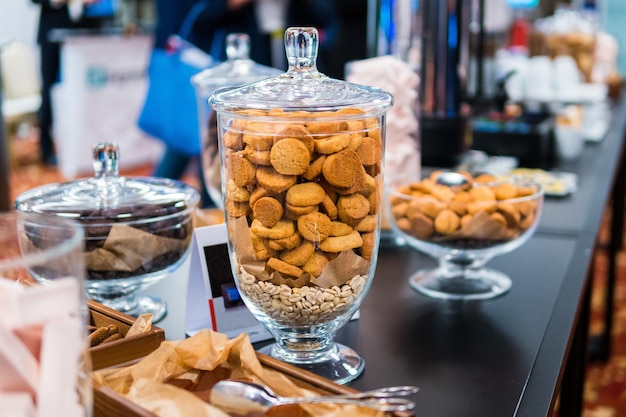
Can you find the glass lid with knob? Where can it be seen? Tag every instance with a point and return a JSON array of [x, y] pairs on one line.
[[238, 68], [107, 196], [302, 87]]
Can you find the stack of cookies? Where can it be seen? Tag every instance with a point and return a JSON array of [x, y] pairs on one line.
[[480, 213], [306, 189]]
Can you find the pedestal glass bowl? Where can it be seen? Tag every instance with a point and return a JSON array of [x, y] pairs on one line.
[[464, 222], [36, 252], [137, 229], [301, 158]]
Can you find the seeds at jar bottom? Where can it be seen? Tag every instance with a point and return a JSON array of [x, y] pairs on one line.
[[303, 306]]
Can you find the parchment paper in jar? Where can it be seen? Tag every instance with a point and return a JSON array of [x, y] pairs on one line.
[[146, 382], [336, 273], [127, 249]]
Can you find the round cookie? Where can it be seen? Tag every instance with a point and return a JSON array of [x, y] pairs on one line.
[[290, 156], [370, 151], [305, 194], [268, 211], [315, 264], [299, 255], [273, 181], [314, 226], [353, 208], [341, 169], [284, 267], [241, 170], [335, 244], [332, 144], [282, 229]]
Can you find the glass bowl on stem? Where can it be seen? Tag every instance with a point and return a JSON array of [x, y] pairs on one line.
[[301, 158], [463, 222], [137, 229]]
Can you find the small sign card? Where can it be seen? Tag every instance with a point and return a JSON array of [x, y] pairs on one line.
[[213, 300]]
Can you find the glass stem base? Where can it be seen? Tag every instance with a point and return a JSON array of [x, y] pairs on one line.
[[461, 283], [135, 305], [338, 363]]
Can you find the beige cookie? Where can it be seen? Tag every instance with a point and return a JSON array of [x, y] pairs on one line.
[[332, 144], [446, 222], [370, 151], [257, 157], [299, 211], [343, 169], [232, 138], [329, 207], [292, 132], [288, 242], [315, 168], [427, 205], [368, 224], [236, 193], [373, 128], [369, 245], [314, 226], [305, 194], [261, 250], [338, 228], [353, 208], [284, 268], [258, 135], [290, 156], [315, 264], [282, 229], [241, 170], [236, 209], [259, 192], [488, 206], [268, 211], [482, 193], [511, 214], [505, 191], [324, 127], [422, 226], [299, 255], [273, 181], [335, 244]]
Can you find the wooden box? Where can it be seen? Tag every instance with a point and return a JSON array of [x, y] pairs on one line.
[[108, 403], [125, 349]]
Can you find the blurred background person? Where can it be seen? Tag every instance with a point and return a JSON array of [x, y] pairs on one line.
[[213, 24], [55, 14]]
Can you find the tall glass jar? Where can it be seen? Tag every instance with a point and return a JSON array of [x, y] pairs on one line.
[[301, 159]]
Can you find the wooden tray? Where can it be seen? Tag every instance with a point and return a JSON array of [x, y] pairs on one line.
[[108, 403], [125, 349]]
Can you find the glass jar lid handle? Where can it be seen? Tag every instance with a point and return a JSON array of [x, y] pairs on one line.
[[237, 46], [105, 160], [301, 45], [106, 168]]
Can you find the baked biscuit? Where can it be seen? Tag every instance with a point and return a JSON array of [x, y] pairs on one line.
[[288, 242], [505, 191], [261, 251], [353, 208], [258, 135], [315, 168], [257, 157], [314, 226], [338, 228], [283, 228], [368, 224], [342, 168], [236, 193], [290, 156], [299, 211], [482, 193], [284, 268], [232, 138], [236, 209], [299, 255], [268, 211], [305, 194], [240, 169], [329, 207], [274, 181], [332, 144], [422, 227], [427, 205], [369, 244], [335, 244], [370, 151], [447, 222], [315, 264]]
